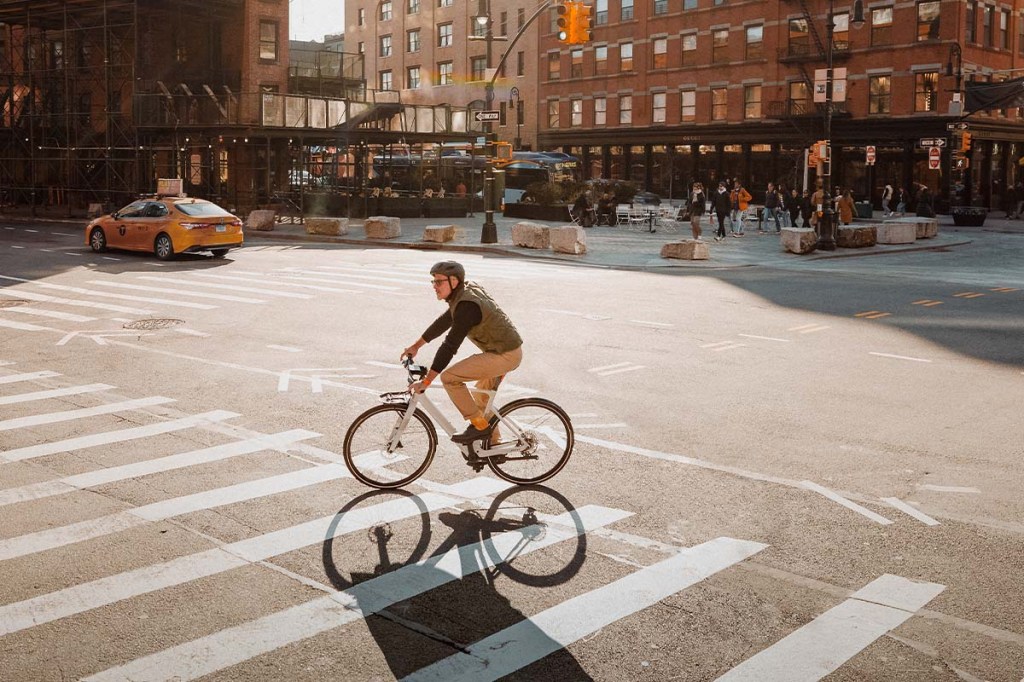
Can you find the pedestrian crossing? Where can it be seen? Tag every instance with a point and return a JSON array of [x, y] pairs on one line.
[[85, 602]]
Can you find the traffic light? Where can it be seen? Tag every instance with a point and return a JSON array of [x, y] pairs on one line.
[[584, 22], [567, 21], [965, 142]]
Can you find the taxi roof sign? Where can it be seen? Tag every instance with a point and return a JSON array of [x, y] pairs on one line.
[[169, 187]]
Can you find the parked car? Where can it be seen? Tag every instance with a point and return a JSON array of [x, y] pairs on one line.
[[167, 225]]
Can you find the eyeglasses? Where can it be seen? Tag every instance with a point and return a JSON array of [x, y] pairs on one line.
[[438, 282]]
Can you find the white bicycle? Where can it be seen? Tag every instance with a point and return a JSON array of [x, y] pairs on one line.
[[391, 445]]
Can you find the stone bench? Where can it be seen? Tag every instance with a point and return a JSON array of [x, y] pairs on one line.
[[261, 220], [688, 249], [439, 233], [332, 227], [382, 227], [531, 235], [568, 239], [897, 232], [799, 239], [925, 228], [856, 236]]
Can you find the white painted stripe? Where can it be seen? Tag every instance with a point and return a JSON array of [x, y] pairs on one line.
[[390, 275], [81, 413], [34, 491], [172, 290], [653, 324], [717, 343], [764, 338], [614, 425], [55, 314], [910, 511], [70, 253], [389, 365], [15, 246], [604, 367], [898, 357], [813, 329], [803, 326], [226, 287], [24, 326], [243, 642], [830, 640], [27, 376], [66, 234], [949, 488], [288, 349], [189, 332], [104, 294], [346, 272], [120, 436], [311, 287], [104, 591], [620, 370], [364, 285], [110, 258], [530, 640], [731, 346], [46, 298], [585, 316], [4, 363], [32, 231], [53, 393], [836, 497], [474, 488]]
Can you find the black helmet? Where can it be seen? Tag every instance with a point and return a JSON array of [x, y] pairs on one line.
[[449, 268]]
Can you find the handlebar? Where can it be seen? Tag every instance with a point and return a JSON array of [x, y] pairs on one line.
[[416, 372]]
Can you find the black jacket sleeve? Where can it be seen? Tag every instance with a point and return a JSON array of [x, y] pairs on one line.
[[467, 315]]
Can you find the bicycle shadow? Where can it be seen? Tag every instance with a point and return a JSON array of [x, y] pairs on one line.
[[452, 598]]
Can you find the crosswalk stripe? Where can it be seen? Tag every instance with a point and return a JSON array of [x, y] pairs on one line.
[[827, 642], [227, 287], [28, 376], [530, 640], [81, 413], [35, 491], [53, 393], [360, 274], [246, 641], [55, 314], [104, 591], [179, 292], [839, 499], [105, 294], [24, 326], [296, 285], [52, 538], [112, 307], [347, 282], [108, 437]]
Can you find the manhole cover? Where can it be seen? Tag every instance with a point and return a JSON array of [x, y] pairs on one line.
[[11, 302], [160, 323]]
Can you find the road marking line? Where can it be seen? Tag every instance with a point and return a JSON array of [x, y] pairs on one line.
[[833, 638], [189, 332], [69, 253], [227, 287], [32, 231], [409, 280], [108, 437], [898, 357], [927, 302], [732, 346], [180, 292], [57, 315], [872, 314], [605, 367], [614, 425], [530, 640], [910, 511], [378, 363], [586, 316], [53, 393], [717, 343], [280, 284], [836, 497], [246, 641], [25, 326], [949, 489], [1004, 290], [46, 298], [809, 327], [28, 376], [653, 324], [610, 372], [104, 294], [365, 285], [66, 234], [289, 349], [81, 413], [764, 338], [109, 258], [15, 246], [34, 491], [968, 294]]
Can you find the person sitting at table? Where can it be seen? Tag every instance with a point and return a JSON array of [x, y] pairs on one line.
[[605, 209], [583, 210]]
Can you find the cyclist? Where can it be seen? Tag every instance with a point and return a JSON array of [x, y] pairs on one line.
[[471, 312]]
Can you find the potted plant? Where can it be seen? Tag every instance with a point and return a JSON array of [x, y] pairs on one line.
[[969, 216]]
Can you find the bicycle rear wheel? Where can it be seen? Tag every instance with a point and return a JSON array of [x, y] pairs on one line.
[[366, 447], [545, 441]]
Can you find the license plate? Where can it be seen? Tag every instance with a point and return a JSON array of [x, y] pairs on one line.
[[222, 228]]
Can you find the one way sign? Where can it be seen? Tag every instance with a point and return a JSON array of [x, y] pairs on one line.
[[484, 116]]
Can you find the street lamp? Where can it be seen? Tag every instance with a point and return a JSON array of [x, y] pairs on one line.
[[826, 231], [515, 103], [489, 231]]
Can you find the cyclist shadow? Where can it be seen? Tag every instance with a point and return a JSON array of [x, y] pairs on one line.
[[455, 597]]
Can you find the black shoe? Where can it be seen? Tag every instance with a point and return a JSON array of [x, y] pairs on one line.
[[471, 434]]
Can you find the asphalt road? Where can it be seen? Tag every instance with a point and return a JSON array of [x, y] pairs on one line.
[[780, 473]]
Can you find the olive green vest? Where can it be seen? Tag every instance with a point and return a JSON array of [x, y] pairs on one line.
[[495, 333]]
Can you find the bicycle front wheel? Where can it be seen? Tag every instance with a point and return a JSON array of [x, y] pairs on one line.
[[545, 441], [373, 463]]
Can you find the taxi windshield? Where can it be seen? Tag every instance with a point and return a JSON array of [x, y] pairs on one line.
[[201, 209]]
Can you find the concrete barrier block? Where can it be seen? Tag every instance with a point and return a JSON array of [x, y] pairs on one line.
[[856, 236], [688, 249], [333, 227], [897, 232], [383, 227], [799, 239], [439, 233], [261, 220], [568, 239], [531, 235]]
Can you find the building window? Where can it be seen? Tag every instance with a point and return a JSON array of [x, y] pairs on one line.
[[385, 10], [361, 47], [412, 77], [576, 113], [384, 82], [503, 24], [987, 20], [600, 60], [600, 12], [659, 105], [576, 63], [689, 4], [477, 68], [385, 46], [928, 20], [554, 66], [971, 30], [444, 3], [720, 45], [413, 7], [660, 7], [553, 113], [520, 17], [625, 109], [841, 32], [627, 10], [719, 104], [799, 38], [797, 97], [755, 42], [444, 73], [625, 56], [688, 106], [926, 91], [476, 28], [1020, 34], [600, 111], [1004, 29], [881, 26], [444, 35], [413, 40], [689, 42], [521, 63], [268, 41], [751, 102], [879, 94], [361, 17], [660, 53]]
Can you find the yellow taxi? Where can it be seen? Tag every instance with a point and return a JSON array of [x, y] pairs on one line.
[[167, 225]]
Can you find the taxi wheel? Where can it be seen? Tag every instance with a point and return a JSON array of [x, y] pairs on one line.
[[98, 240], [163, 248], [219, 253]]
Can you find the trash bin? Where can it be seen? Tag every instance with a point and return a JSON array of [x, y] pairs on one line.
[[864, 209]]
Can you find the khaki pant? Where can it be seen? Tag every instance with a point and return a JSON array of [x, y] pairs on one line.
[[487, 370]]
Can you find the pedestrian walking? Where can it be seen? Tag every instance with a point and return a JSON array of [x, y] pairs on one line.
[[806, 209], [925, 208], [739, 200], [887, 200], [846, 207], [901, 202], [771, 205], [722, 207], [695, 205], [783, 207], [793, 205]]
